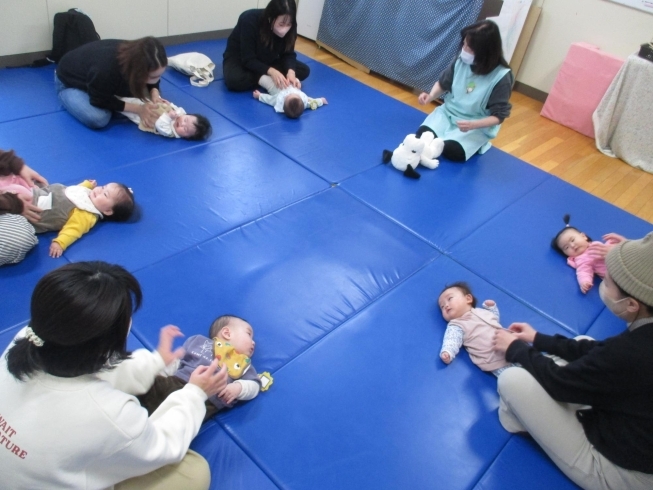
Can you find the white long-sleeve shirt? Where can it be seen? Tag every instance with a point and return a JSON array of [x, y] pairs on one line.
[[89, 432]]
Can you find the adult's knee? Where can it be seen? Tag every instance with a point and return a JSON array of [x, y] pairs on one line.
[[237, 79], [97, 122], [302, 70], [512, 383], [199, 468], [454, 151]]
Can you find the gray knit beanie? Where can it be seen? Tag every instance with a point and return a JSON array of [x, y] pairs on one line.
[[630, 265]]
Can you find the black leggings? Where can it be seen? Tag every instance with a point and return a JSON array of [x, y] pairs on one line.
[[452, 149], [239, 79]]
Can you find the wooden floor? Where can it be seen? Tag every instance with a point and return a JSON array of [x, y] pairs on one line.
[[539, 141]]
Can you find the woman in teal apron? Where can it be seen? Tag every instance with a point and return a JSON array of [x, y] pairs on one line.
[[478, 85]]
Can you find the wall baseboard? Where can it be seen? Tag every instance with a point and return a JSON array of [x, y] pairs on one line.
[[529, 91], [26, 59]]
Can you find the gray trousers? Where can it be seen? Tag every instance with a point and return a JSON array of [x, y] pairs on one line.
[[525, 406]]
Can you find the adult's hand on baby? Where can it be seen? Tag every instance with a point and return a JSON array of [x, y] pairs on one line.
[[293, 80], [32, 176], [614, 238], [148, 114], [424, 98], [502, 339], [167, 337], [523, 331], [155, 97], [277, 77], [30, 211], [211, 380], [446, 358]]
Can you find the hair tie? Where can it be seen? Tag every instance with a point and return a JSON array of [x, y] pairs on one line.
[[33, 338]]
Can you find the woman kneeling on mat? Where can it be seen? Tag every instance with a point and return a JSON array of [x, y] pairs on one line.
[[67, 410], [478, 85], [91, 77], [594, 415], [263, 43]]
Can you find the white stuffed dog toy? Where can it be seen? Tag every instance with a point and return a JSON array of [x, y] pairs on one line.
[[432, 150], [414, 151]]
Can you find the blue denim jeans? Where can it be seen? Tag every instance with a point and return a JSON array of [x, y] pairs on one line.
[[78, 103]]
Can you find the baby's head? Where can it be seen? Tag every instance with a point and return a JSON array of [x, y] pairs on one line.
[[455, 300], [236, 331], [293, 106], [194, 127], [570, 242], [115, 201]]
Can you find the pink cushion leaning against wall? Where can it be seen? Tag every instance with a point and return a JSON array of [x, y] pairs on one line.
[[580, 85]]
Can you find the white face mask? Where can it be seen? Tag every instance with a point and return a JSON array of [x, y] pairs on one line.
[[281, 32], [617, 307], [467, 58]]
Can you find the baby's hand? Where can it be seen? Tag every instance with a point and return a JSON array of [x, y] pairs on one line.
[[324, 101], [166, 339], [230, 393], [489, 302], [256, 94], [55, 250], [93, 183], [586, 286], [446, 358]]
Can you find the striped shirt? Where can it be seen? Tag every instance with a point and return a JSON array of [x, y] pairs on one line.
[[17, 237]]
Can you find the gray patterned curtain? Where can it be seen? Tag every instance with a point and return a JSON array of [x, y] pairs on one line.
[[408, 41]]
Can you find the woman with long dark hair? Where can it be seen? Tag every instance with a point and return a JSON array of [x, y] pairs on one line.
[[263, 43], [89, 78], [478, 85]]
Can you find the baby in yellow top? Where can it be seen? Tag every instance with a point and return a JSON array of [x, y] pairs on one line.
[[74, 210]]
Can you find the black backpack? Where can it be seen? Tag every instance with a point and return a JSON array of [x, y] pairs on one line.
[[71, 30]]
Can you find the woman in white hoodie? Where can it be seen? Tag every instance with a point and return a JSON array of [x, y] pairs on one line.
[[68, 417]]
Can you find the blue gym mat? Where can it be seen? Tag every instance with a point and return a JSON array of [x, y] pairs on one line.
[[336, 260]]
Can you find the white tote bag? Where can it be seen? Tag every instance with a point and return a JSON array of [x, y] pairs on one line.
[[196, 65]]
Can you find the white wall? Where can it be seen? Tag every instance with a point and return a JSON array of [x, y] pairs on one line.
[[615, 28], [26, 25]]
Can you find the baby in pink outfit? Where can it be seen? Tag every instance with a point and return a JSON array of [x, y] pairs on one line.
[[471, 327], [584, 255]]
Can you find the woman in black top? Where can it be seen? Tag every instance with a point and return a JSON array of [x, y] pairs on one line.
[[89, 78], [263, 43], [593, 415]]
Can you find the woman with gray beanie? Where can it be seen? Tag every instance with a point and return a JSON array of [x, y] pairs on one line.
[[592, 412]]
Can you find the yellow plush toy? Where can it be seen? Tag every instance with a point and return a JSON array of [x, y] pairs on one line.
[[237, 364]]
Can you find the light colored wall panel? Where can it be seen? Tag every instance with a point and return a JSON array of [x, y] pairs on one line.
[[615, 28], [24, 27], [120, 19], [189, 16]]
